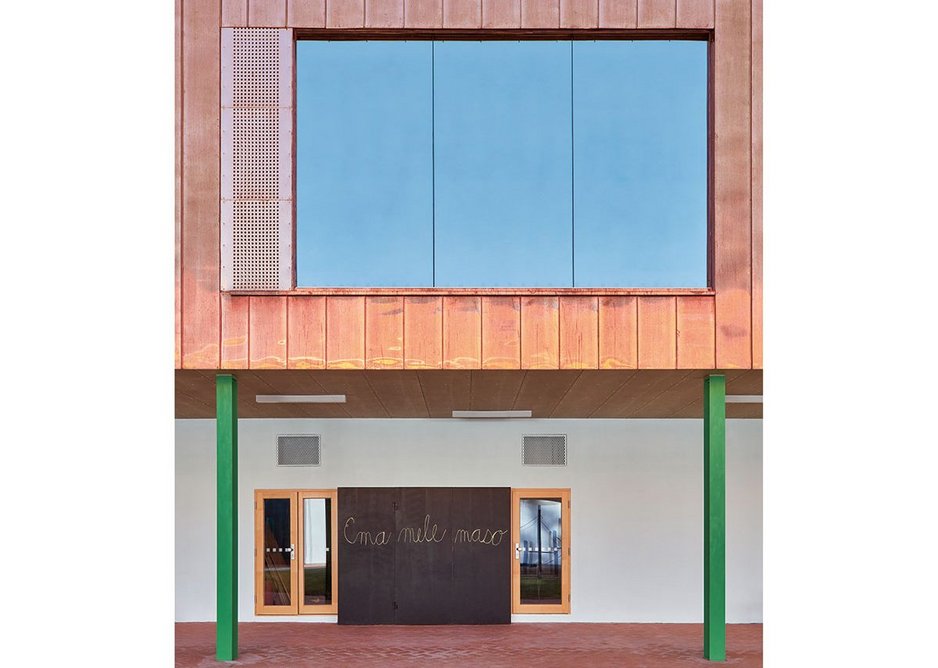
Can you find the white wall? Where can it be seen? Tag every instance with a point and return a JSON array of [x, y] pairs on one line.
[[636, 492]]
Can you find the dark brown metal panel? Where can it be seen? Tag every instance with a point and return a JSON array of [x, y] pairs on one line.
[[366, 561], [425, 555], [482, 571], [424, 560]]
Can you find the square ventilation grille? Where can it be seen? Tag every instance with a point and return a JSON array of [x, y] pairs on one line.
[[299, 450], [544, 450]]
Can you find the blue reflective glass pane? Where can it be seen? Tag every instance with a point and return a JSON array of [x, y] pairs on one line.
[[640, 164], [503, 164], [364, 164]]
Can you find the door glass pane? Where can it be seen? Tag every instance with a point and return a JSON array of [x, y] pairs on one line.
[[502, 148], [541, 551], [277, 552], [364, 163], [317, 552], [640, 163]]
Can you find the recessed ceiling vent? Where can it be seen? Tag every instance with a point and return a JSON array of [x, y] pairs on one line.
[[544, 450], [298, 450]]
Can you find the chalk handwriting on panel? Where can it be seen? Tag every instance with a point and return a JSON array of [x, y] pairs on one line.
[[486, 536], [422, 534], [364, 537]]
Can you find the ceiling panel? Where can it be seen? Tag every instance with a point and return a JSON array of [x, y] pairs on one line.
[[613, 393]]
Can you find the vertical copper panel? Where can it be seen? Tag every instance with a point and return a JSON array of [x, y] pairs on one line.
[[462, 13], [267, 340], [618, 13], [501, 13], [177, 300], [657, 333], [733, 344], [306, 13], [656, 14], [345, 13], [695, 333], [201, 311], [306, 332], [267, 13], [540, 13], [234, 332], [694, 13], [732, 238], [423, 332], [423, 13], [757, 184], [579, 332], [384, 13], [462, 332], [540, 335], [618, 333], [501, 326], [579, 14], [384, 332], [234, 13], [345, 332]]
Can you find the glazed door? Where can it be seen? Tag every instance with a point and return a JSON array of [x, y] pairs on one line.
[[295, 562], [317, 558], [275, 563], [540, 565]]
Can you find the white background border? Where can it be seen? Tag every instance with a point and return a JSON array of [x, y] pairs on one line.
[[850, 219]]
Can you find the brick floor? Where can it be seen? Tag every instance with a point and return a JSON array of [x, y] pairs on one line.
[[514, 645]]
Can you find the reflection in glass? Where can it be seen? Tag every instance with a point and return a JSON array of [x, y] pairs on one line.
[[317, 552], [277, 552], [364, 163], [640, 160], [541, 551], [503, 157], [501, 163]]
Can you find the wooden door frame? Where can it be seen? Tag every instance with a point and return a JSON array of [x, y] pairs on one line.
[[332, 495], [563, 493], [260, 495]]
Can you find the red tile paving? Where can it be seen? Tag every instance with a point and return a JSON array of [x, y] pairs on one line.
[[514, 645]]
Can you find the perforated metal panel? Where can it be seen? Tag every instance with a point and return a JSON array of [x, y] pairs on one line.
[[544, 450], [298, 450], [257, 162]]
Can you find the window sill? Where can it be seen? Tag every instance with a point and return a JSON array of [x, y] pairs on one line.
[[483, 292]]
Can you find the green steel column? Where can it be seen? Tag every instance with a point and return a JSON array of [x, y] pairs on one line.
[[226, 415], [715, 518]]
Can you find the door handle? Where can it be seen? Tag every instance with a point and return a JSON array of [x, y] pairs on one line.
[[517, 550]]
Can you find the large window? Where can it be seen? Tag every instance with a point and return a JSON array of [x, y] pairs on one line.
[[502, 164]]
